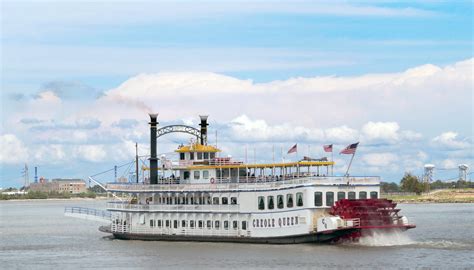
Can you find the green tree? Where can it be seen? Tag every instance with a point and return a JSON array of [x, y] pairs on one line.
[[411, 183], [389, 187], [96, 189]]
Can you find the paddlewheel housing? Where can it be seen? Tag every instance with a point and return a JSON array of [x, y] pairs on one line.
[[374, 214]]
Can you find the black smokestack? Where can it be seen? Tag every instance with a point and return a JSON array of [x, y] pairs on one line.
[[153, 158], [203, 125]]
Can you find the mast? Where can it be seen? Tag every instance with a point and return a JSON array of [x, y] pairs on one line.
[[136, 160]]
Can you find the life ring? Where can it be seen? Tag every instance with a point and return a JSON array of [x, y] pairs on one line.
[[212, 180]]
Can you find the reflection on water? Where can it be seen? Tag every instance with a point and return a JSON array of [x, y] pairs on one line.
[[35, 234]]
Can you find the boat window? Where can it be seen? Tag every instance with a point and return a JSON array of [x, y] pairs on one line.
[[235, 224], [226, 224], [205, 174], [181, 156], [225, 200], [199, 155], [159, 223], [329, 198], [186, 175], [183, 223], [200, 224], [374, 195], [244, 225], [289, 200], [261, 203], [363, 195], [209, 224], [233, 200], [197, 174], [318, 198], [191, 224], [216, 224], [167, 223], [152, 223], [175, 224], [280, 203], [208, 200], [215, 200], [351, 195], [191, 156], [212, 155], [341, 195], [271, 203], [206, 155], [299, 199]]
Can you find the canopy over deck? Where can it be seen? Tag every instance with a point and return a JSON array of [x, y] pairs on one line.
[[238, 165]]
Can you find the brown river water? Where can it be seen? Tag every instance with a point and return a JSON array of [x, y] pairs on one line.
[[37, 235]]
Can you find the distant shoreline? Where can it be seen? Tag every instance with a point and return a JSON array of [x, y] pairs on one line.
[[436, 196], [56, 199]]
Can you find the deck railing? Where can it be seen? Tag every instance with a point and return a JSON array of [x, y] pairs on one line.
[[173, 208], [83, 211], [227, 184]]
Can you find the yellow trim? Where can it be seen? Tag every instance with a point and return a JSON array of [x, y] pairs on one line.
[[263, 166], [197, 148]]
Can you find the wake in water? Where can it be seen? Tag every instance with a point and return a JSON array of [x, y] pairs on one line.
[[386, 239], [398, 238]]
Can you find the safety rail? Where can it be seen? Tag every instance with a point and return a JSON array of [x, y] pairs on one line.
[[84, 211], [351, 222], [220, 184], [173, 208]]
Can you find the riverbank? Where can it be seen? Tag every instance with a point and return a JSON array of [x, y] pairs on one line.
[[36, 195], [436, 196]]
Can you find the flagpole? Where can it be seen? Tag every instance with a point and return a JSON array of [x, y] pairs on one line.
[[350, 163]]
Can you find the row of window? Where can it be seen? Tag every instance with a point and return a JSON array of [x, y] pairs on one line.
[[197, 175], [280, 201], [198, 155], [351, 195], [198, 224], [196, 200], [318, 199]]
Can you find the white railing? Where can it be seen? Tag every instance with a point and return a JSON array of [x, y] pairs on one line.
[[87, 213], [187, 231], [174, 208], [223, 184], [351, 222]]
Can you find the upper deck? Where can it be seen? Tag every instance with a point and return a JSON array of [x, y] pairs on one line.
[[224, 184]]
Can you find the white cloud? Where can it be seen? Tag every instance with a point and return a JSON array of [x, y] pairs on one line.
[[448, 140], [448, 164], [50, 154], [380, 159], [92, 153], [12, 150], [383, 131]]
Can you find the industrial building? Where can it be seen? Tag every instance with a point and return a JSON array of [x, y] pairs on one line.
[[72, 186]]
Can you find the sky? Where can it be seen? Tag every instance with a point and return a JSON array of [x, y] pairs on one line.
[[79, 77]]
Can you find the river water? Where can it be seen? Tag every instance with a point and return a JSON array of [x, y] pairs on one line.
[[36, 235]]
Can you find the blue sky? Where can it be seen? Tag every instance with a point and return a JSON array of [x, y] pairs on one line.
[[62, 61]]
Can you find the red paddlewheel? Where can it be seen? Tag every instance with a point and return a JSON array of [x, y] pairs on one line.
[[371, 212]]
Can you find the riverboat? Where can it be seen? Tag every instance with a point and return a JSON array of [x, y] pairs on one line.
[[205, 197]]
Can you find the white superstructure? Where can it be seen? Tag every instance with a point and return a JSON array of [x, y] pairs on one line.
[[203, 197]]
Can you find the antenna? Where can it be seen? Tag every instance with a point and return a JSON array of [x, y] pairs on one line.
[[26, 176]]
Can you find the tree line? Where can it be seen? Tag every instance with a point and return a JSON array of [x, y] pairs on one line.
[[412, 183]]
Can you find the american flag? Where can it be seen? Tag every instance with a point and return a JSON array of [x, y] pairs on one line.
[[350, 149], [293, 149], [327, 148]]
